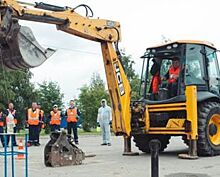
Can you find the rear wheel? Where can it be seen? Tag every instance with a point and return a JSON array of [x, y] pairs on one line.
[[209, 129], [142, 141]]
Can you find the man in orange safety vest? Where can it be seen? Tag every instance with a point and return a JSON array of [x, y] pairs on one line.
[[172, 77], [72, 114], [33, 119], [55, 118]]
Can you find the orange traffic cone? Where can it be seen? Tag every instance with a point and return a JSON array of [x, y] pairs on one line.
[[20, 148]]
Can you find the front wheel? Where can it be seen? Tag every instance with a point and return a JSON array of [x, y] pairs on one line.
[[209, 129]]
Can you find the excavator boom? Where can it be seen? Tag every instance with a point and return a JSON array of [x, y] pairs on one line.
[[18, 53]]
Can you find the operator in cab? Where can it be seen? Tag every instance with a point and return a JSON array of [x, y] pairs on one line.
[[172, 77], [155, 82]]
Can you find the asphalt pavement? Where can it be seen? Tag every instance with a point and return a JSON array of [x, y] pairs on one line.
[[109, 162]]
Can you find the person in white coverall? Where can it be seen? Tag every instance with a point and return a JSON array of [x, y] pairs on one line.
[[104, 120]]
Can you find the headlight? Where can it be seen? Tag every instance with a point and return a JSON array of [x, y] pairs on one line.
[[169, 47], [175, 45]]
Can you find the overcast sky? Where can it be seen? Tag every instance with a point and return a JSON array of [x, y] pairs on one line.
[[143, 22]]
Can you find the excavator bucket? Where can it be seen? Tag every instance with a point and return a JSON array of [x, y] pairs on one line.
[[18, 46], [61, 151]]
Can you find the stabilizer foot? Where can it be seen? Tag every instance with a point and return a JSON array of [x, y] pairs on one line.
[[187, 156], [127, 147], [192, 155], [130, 154]]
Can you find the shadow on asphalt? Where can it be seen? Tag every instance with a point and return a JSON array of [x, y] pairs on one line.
[[187, 175], [169, 153]]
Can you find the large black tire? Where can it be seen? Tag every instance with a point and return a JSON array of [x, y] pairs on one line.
[[205, 146], [142, 141]]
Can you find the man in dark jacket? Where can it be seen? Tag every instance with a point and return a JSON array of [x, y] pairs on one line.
[[155, 82]]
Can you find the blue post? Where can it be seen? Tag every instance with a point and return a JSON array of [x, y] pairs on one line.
[[12, 157], [12, 153], [5, 154], [26, 154]]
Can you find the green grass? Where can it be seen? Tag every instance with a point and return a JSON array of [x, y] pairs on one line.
[[93, 132]]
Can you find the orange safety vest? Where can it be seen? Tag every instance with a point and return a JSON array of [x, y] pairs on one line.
[[13, 114], [33, 117], [72, 115], [1, 123], [55, 118], [173, 71], [155, 83]]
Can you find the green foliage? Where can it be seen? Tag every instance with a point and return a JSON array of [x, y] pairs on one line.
[[49, 94], [89, 101], [15, 87], [135, 86], [134, 79]]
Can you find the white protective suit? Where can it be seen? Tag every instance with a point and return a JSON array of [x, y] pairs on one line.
[[104, 118]]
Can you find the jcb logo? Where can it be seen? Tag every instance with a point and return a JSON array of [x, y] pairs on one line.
[[119, 79]]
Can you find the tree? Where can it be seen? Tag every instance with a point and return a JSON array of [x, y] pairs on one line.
[[15, 87], [24, 91], [133, 78], [89, 101], [49, 94]]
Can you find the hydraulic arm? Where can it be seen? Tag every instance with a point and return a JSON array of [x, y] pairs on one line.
[[106, 32]]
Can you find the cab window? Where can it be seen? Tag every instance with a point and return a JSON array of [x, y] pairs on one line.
[[213, 70], [165, 65], [194, 67]]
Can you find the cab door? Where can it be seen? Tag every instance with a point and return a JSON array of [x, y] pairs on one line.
[[213, 70]]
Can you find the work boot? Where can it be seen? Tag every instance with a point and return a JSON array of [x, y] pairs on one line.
[[103, 144], [77, 142], [37, 144]]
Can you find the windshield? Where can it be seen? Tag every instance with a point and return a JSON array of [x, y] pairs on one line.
[[156, 65]]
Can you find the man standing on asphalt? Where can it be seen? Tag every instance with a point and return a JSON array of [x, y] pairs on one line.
[[11, 123], [55, 118], [33, 119], [104, 120], [72, 114]]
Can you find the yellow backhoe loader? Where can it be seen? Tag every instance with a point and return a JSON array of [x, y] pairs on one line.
[[192, 110]]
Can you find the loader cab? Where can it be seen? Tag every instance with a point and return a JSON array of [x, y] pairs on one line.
[[198, 65]]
